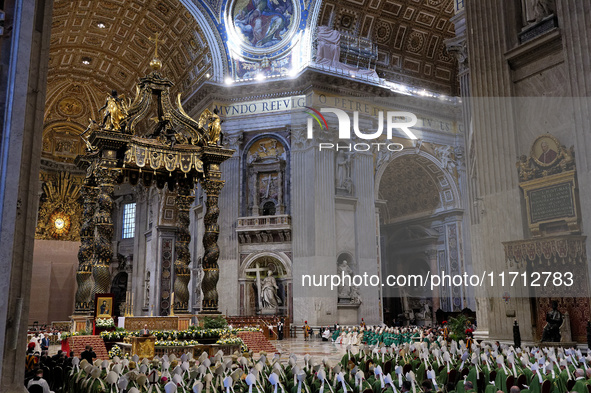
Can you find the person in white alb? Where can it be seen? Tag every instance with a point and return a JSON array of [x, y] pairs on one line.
[[38, 380]]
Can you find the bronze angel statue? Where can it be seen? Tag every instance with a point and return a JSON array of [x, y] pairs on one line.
[[211, 123]]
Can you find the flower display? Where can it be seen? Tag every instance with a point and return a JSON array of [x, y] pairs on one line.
[[115, 351], [114, 336], [230, 341], [65, 335], [192, 334], [176, 343], [105, 323]]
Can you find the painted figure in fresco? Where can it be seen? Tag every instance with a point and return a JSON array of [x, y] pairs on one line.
[[264, 21]]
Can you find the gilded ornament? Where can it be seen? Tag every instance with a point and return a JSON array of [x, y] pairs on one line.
[[60, 214], [70, 107], [115, 112], [211, 122]]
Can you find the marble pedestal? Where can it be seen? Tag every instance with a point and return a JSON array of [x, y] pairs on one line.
[[347, 314]]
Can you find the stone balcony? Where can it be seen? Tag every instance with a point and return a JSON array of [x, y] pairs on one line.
[[264, 229]]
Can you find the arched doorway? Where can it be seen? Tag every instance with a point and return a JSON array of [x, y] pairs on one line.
[[421, 223], [119, 289], [256, 276]]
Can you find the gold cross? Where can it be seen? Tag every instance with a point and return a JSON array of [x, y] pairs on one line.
[[155, 40]]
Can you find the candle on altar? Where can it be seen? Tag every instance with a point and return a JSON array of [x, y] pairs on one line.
[[172, 301]]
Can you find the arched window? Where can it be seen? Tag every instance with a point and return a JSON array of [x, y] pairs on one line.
[[269, 209]]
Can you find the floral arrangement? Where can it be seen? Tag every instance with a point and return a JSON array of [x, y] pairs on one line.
[[65, 335], [113, 336], [230, 341], [192, 333], [176, 343], [245, 329], [115, 351], [105, 323]]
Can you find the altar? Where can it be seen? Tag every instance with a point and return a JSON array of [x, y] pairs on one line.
[[144, 347], [154, 323]]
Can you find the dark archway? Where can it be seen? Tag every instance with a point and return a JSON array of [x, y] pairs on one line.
[[119, 289]]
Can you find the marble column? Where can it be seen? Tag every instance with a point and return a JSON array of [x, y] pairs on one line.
[[184, 200], [366, 235], [575, 24], [229, 212], [313, 229], [140, 268], [84, 277], [492, 154], [103, 239], [211, 270], [24, 59]]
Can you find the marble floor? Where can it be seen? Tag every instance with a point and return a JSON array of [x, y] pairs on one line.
[[316, 348]]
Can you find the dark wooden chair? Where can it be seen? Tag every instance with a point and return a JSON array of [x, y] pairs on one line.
[[368, 390], [546, 386], [47, 375], [492, 376], [57, 379], [589, 388], [453, 376], [521, 381], [510, 382], [366, 368], [481, 383], [569, 384], [388, 367], [406, 369], [465, 371]]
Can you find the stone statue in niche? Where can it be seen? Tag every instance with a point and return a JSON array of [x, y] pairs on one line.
[[147, 291], [269, 296], [355, 295], [345, 271], [343, 176], [536, 10]]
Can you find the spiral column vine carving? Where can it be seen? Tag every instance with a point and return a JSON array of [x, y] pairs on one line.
[[86, 252], [103, 240], [184, 199], [211, 271]]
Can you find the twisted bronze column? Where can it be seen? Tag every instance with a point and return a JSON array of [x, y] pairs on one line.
[[184, 199], [211, 271], [86, 252], [103, 240]]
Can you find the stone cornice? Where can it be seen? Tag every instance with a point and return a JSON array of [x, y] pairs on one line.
[[313, 79]]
